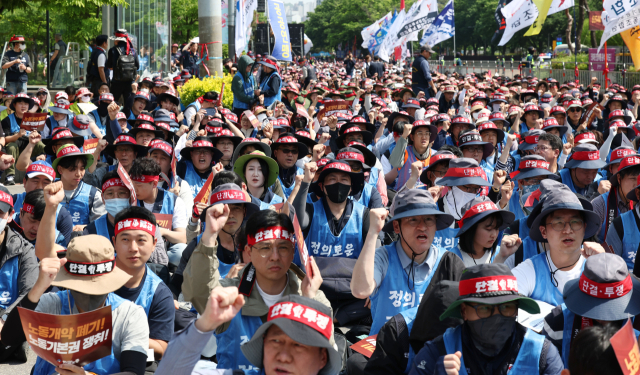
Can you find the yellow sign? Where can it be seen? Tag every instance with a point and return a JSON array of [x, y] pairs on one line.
[[543, 8], [631, 38]]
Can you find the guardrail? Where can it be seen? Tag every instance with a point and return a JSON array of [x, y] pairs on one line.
[[618, 72]]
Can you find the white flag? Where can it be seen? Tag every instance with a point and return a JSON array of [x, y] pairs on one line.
[[368, 32], [522, 17], [244, 14], [559, 6], [389, 41], [623, 16]]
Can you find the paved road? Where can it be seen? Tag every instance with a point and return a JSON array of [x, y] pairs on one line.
[[14, 368]]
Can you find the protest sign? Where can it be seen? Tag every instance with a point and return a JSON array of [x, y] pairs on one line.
[[333, 107], [626, 348], [365, 347], [33, 121], [590, 114], [254, 121], [77, 339], [205, 192], [124, 176], [164, 220], [90, 145]]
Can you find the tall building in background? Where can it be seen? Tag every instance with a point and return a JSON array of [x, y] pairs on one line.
[[297, 10]]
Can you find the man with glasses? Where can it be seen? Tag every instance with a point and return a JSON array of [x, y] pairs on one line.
[[413, 145], [580, 173], [266, 278], [574, 112], [562, 221], [549, 147], [286, 151], [489, 341]]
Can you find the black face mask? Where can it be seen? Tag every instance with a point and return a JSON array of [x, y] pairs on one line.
[[491, 334], [103, 109], [337, 193], [87, 302]]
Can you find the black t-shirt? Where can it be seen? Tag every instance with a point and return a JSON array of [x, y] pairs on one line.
[[161, 313]]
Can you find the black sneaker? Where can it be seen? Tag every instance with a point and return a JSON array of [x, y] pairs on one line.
[[9, 181], [22, 352]]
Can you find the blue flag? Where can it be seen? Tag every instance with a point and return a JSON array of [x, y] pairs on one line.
[[278, 22], [443, 27]]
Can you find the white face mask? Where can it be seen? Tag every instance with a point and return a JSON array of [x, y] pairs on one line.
[[435, 182], [3, 224], [496, 107], [475, 115], [456, 199], [85, 99], [22, 46]]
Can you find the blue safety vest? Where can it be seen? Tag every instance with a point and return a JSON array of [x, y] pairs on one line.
[[516, 207], [288, 190], [488, 169], [409, 317], [446, 238], [104, 366], [223, 268], [9, 274], [544, 290], [165, 202], [264, 86], [53, 123], [274, 200], [14, 124], [151, 282], [393, 295], [248, 88], [365, 195], [630, 240], [240, 330], [565, 175], [100, 227], [527, 362], [404, 172], [101, 126], [449, 141], [321, 242], [195, 181], [80, 204]]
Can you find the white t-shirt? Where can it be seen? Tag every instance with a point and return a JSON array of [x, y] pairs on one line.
[[271, 299], [525, 273], [102, 59], [470, 262], [179, 218]]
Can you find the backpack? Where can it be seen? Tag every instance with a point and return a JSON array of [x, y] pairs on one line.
[[125, 69]]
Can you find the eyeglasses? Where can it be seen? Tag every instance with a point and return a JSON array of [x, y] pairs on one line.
[[293, 151], [283, 249], [202, 152], [507, 309], [423, 134], [439, 173], [474, 150], [575, 224], [541, 148], [575, 109], [470, 188], [355, 167], [414, 221]]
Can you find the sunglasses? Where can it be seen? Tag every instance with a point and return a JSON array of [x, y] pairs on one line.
[[289, 151], [574, 109]]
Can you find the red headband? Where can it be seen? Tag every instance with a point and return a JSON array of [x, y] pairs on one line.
[[531, 139], [464, 172], [6, 198], [488, 284], [124, 138], [111, 183], [586, 155], [302, 314], [135, 224], [29, 208], [474, 210], [629, 161], [126, 36], [201, 143], [90, 269], [621, 153], [288, 139], [145, 179], [533, 164], [163, 147], [589, 136], [437, 158], [605, 290], [227, 195], [271, 233], [70, 149], [340, 166], [80, 125], [351, 155], [41, 168]]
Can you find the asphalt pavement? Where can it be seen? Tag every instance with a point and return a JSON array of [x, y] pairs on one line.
[[13, 367]]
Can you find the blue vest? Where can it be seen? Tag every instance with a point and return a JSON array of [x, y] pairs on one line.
[[151, 282], [53, 123], [99, 227], [544, 290], [229, 355], [223, 268], [264, 86], [630, 240], [17, 206], [449, 141], [275, 200], [288, 190], [101, 126], [321, 242], [104, 366], [374, 174], [529, 248], [488, 169], [80, 204], [365, 196], [404, 172], [195, 105], [195, 181], [14, 124], [409, 317], [393, 295], [9, 274], [516, 207], [565, 175], [248, 88], [527, 362], [446, 238], [165, 202]]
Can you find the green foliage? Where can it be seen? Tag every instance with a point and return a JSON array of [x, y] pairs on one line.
[[195, 88], [583, 61], [184, 20]]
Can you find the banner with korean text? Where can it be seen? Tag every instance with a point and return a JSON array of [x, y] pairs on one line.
[[278, 22]]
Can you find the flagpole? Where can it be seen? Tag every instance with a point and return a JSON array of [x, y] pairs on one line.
[[454, 36]]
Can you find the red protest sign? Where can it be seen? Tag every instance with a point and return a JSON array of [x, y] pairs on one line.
[[164, 220], [595, 21], [365, 347], [124, 176], [254, 121], [626, 348], [589, 115], [77, 339], [205, 192], [33, 121], [90, 145], [174, 167], [333, 107], [221, 94], [302, 246], [302, 111]]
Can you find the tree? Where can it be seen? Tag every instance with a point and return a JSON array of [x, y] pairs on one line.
[[184, 20]]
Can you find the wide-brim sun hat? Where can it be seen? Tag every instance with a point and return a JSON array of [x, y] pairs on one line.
[[464, 171], [585, 156], [345, 130], [532, 166], [394, 115], [288, 139], [477, 210], [125, 140], [61, 133], [254, 142], [274, 170], [473, 138], [67, 151], [230, 193], [198, 143], [416, 202]]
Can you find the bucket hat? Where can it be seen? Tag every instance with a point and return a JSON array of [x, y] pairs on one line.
[[352, 128], [464, 171], [289, 139], [302, 319], [269, 61], [555, 195], [416, 202], [530, 140], [125, 139], [473, 138], [586, 137], [533, 108], [551, 123], [61, 133], [70, 150], [489, 125], [357, 179], [370, 158], [22, 97], [477, 209], [226, 134], [359, 121], [489, 284], [304, 137], [440, 156], [585, 156], [394, 115], [424, 124], [352, 154], [61, 106], [91, 266], [274, 170], [532, 166], [230, 193], [6, 200], [255, 142], [198, 143], [604, 291]]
